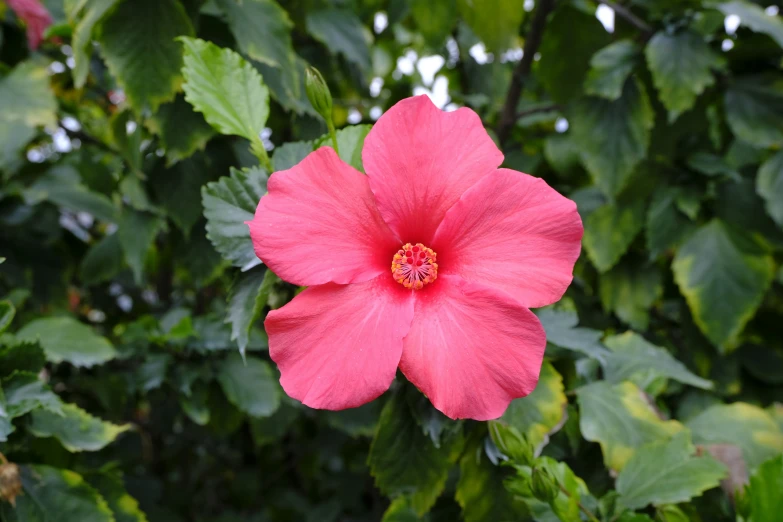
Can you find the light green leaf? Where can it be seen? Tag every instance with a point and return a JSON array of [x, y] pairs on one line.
[[56, 494], [542, 412], [124, 507], [561, 330], [7, 313], [26, 97], [246, 301], [25, 392], [85, 15], [620, 418], [723, 276], [289, 154], [350, 141], [763, 493], [754, 109], [400, 511], [137, 42], [754, 17], [249, 385], [610, 68], [497, 31], [667, 472], [681, 65], [749, 427], [22, 356], [182, 130], [769, 185], [227, 90], [228, 203], [613, 135], [629, 290], [136, 233], [570, 39], [435, 19], [76, 429], [62, 186], [341, 31], [103, 261], [666, 225], [610, 230], [66, 339], [631, 355], [404, 461], [13, 137]]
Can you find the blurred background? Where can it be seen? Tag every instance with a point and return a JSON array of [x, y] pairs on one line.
[[130, 294]]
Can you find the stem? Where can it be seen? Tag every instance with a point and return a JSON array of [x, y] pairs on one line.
[[584, 510], [628, 16], [333, 133], [536, 110], [259, 151], [509, 115]]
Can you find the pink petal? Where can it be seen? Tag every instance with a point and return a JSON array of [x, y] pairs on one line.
[[338, 346], [420, 160], [319, 224], [515, 233], [472, 349], [36, 18]]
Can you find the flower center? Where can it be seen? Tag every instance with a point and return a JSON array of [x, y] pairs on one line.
[[414, 266]]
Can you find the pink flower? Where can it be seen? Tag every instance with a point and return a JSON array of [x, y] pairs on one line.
[[429, 263], [36, 18]]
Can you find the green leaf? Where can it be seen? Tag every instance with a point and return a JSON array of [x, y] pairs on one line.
[[542, 412], [631, 355], [178, 189], [769, 185], [270, 430], [561, 330], [341, 31], [356, 422], [666, 225], [400, 511], [610, 68], [246, 301], [182, 130], [62, 186], [754, 109], [404, 461], [136, 233], [85, 15], [25, 392], [610, 230], [350, 141], [570, 39], [249, 385], [23, 356], [7, 313], [495, 22], [764, 498], [103, 261], [26, 97], [681, 65], [137, 42], [754, 17], [226, 89], [76, 429], [749, 427], [56, 494], [228, 203], [66, 339], [629, 290], [124, 507], [289, 154], [667, 472], [620, 418], [613, 135], [435, 19], [712, 165], [723, 276]]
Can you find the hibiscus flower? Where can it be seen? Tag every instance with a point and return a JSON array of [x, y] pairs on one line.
[[429, 263], [36, 18]]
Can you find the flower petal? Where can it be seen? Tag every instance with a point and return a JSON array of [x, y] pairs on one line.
[[338, 346], [319, 224], [420, 160], [472, 349], [513, 232]]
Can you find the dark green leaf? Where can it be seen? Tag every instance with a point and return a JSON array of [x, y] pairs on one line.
[[85, 14], [434, 18], [7, 312], [182, 130], [290, 154], [249, 385], [629, 290], [754, 109], [66, 339], [350, 141], [23, 356], [769, 185], [610, 68], [754, 17], [666, 225], [561, 330], [103, 261], [62, 186], [498, 31], [136, 234], [610, 230], [247, 299], [341, 32]]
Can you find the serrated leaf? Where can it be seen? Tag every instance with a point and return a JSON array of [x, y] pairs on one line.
[[7, 313], [85, 15], [137, 42], [62, 186], [246, 301], [498, 32], [631, 355], [541, 413], [667, 472], [763, 493], [228, 204], [76, 429], [629, 290], [404, 461], [124, 507], [65, 339], [610, 230], [610, 68], [136, 234], [769, 185], [56, 494], [723, 276], [341, 31], [23, 356], [25, 392], [182, 130], [249, 385], [350, 141], [749, 427], [620, 418], [754, 109], [561, 330], [227, 90], [289, 154], [753, 16], [613, 135], [666, 226], [681, 65]]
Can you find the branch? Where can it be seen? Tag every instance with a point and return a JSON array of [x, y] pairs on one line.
[[509, 115], [625, 13], [536, 110]]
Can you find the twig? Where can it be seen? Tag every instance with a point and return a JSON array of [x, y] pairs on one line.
[[536, 110], [625, 13], [584, 510], [509, 115]]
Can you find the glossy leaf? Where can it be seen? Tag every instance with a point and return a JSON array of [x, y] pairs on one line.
[[249, 385], [65, 339]]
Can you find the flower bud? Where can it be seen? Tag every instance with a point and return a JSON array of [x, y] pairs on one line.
[[318, 93], [10, 483], [543, 485], [512, 443]]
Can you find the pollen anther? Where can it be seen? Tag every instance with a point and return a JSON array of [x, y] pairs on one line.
[[414, 266]]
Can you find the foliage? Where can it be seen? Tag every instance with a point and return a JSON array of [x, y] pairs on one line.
[[138, 138]]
